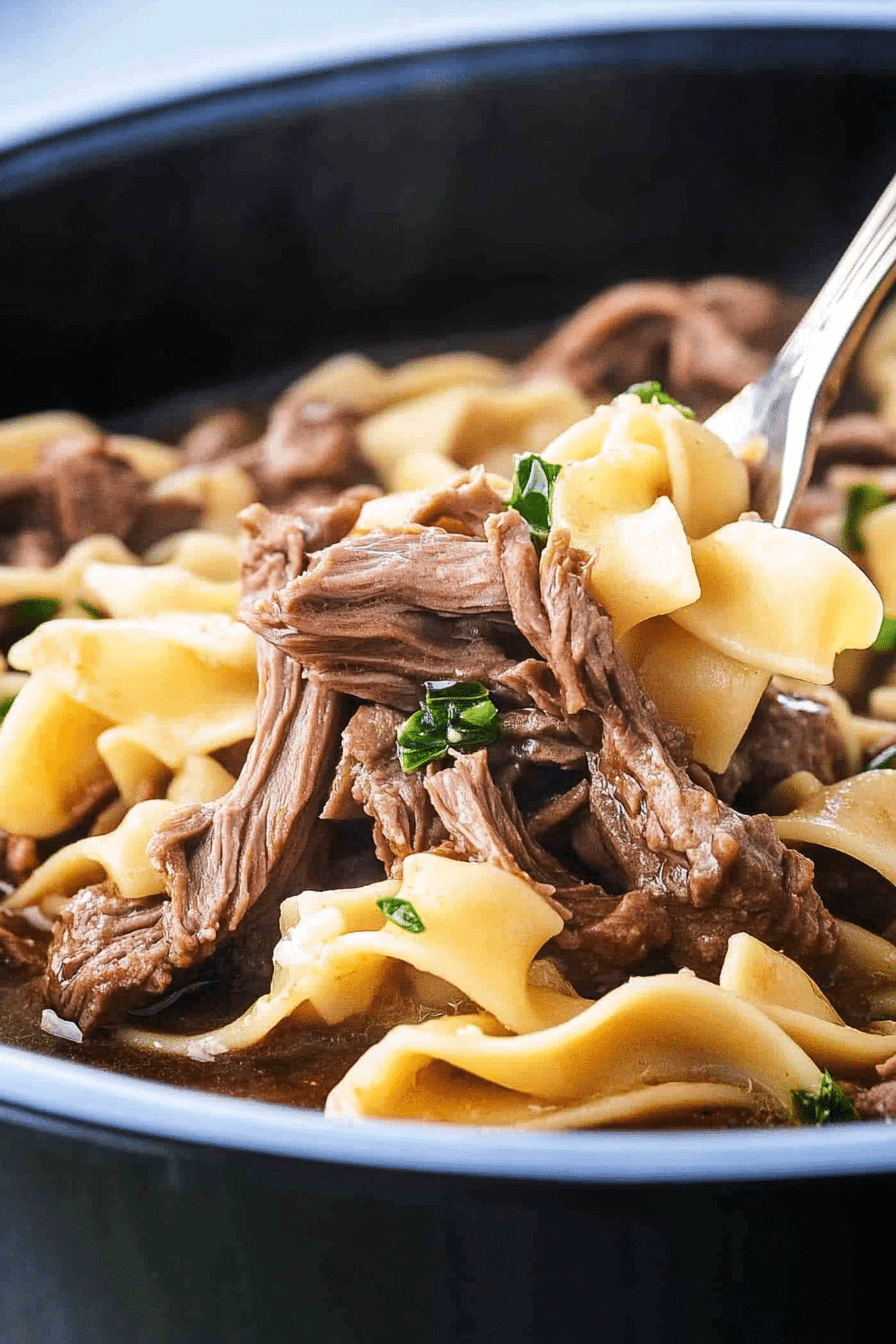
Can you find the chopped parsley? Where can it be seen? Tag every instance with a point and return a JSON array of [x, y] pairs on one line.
[[533, 493], [653, 391], [402, 913], [886, 637], [6, 704], [830, 1107], [860, 501], [30, 612], [884, 760], [455, 714], [89, 609]]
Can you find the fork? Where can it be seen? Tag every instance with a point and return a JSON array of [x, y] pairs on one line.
[[788, 404]]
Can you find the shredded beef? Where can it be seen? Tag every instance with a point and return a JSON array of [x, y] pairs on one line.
[[220, 860], [379, 614], [874, 1103], [462, 506], [702, 341], [787, 733], [369, 773], [858, 438], [697, 871], [484, 823]]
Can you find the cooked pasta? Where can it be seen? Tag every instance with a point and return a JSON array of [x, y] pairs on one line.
[[463, 716]]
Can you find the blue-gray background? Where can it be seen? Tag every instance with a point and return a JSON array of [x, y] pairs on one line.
[[62, 61]]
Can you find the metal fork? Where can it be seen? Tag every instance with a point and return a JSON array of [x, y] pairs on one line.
[[787, 405]]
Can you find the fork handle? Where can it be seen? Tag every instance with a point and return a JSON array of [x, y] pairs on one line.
[[805, 377]]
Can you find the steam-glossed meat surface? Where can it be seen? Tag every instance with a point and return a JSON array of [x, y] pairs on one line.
[[218, 859], [697, 871]]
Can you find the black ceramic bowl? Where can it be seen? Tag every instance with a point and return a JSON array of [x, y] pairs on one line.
[[215, 240]]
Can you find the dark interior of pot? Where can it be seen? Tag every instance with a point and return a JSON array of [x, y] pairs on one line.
[[438, 195], [456, 199]]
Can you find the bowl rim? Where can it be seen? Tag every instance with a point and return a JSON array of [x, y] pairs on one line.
[[195, 90], [38, 1091], [186, 74]]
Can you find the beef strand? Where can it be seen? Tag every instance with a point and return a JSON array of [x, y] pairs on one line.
[[697, 871], [221, 859]]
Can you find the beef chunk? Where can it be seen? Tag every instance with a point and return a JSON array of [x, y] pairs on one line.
[[220, 860], [379, 614], [697, 871], [158, 518], [787, 733], [92, 489], [404, 820], [218, 436], [20, 950], [18, 859], [304, 441]]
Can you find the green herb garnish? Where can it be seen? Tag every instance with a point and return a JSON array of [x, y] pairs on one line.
[[401, 913], [456, 714], [6, 704], [653, 391], [829, 1107], [884, 760], [886, 637], [89, 609], [860, 501], [533, 493], [30, 612]]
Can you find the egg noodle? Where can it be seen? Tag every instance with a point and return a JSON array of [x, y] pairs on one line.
[[525, 996]]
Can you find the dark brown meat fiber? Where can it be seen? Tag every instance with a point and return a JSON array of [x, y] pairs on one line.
[[218, 859]]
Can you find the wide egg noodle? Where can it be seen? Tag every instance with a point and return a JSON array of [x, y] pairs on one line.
[[787, 995], [125, 591], [209, 555], [121, 854], [356, 382], [713, 697], [657, 1029], [181, 684], [641, 565], [63, 581], [48, 758], [336, 948], [465, 427], [220, 489], [706, 482], [779, 600], [856, 816], [23, 437]]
